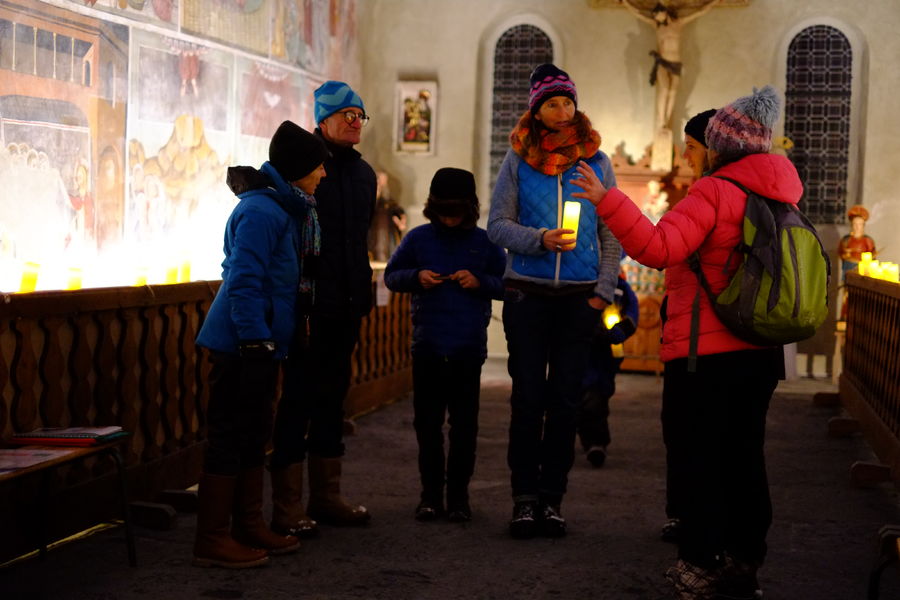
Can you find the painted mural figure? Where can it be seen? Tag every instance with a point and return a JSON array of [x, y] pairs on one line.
[[417, 118]]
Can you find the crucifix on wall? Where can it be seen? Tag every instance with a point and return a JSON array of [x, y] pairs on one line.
[[668, 19]]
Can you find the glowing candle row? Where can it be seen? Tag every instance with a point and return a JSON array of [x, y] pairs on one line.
[[31, 273], [887, 271]]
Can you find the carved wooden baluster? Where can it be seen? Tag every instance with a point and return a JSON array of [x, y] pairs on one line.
[[54, 411], [168, 359], [6, 349], [149, 377], [127, 388], [80, 361], [106, 365], [24, 406]]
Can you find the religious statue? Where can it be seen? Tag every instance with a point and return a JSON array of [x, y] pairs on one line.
[[388, 222], [852, 245], [666, 71]]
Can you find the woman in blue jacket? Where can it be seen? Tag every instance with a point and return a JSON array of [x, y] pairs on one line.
[[453, 271], [247, 332], [557, 288]]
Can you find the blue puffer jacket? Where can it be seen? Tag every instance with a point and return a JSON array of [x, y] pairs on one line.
[[447, 319], [261, 270], [526, 203]]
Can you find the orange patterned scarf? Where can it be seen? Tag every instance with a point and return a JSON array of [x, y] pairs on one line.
[[554, 151]]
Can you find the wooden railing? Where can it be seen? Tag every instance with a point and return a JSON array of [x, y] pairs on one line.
[[870, 380], [126, 356]]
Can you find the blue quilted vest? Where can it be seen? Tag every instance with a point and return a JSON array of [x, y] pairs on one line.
[[541, 199]]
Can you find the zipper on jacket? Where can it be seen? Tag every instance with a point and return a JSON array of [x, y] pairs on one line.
[[559, 212]]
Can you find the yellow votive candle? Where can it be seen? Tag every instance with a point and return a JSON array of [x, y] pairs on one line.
[[184, 274], [864, 260], [571, 215], [141, 278], [172, 275], [873, 269], [29, 277], [74, 282]]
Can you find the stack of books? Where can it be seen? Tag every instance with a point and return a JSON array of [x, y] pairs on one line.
[[69, 436]]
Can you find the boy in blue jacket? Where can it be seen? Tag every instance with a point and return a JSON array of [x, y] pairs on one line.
[[599, 383], [453, 272], [247, 331]]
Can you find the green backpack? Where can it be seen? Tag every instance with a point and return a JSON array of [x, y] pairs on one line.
[[779, 293]]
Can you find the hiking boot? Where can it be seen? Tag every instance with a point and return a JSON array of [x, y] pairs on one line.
[[596, 455], [552, 523], [692, 582], [670, 531], [738, 581], [524, 521], [459, 512], [428, 511]]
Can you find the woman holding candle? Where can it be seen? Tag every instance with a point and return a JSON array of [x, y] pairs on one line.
[[714, 415], [559, 277]]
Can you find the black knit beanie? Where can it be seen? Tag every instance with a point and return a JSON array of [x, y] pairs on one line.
[[696, 125], [452, 194], [295, 152]]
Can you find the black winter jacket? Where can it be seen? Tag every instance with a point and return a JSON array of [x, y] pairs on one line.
[[345, 205]]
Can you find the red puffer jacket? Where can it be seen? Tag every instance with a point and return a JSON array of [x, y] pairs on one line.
[[709, 219]]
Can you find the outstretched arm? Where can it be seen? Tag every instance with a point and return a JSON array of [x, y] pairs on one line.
[[700, 11], [637, 12]]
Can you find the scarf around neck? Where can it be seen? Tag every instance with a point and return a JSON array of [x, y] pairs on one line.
[[310, 239], [554, 151]]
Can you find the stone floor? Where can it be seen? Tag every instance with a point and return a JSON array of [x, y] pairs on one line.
[[822, 543]]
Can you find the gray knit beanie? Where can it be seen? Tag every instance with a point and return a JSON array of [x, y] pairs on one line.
[[744, 126]]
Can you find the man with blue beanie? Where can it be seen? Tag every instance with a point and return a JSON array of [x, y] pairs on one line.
[[310, 416]]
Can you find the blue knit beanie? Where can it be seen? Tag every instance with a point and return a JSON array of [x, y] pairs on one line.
[[332, 96]]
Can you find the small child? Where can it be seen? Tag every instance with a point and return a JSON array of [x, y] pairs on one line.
[[600, 377], [453, 271]]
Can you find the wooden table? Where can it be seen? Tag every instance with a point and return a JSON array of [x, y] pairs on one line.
[[21, 461]]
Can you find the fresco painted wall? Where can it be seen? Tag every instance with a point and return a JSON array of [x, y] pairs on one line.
[[118, 119]]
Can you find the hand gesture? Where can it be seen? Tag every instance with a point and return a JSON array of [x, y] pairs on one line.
[[559, 240], [429, 279], [465, 279], [590, 183]]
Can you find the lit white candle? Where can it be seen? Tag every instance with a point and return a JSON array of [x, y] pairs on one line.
[[571, 216]]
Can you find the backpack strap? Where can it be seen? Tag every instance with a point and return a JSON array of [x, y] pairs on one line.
[[693, 262]]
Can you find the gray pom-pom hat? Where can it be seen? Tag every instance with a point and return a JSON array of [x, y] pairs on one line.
[[745, 126]]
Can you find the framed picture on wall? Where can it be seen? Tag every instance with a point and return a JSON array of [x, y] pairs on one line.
[[415, 110]]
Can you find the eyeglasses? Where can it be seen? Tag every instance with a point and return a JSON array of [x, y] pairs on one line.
[[351, 116]]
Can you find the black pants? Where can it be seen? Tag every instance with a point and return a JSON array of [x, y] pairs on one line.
[[446, 386], [548, 338], [598, 387], [714, 423], [310, 415], [239, 416]]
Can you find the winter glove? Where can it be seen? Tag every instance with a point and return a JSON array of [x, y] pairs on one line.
[[621, 331], [258, 349]]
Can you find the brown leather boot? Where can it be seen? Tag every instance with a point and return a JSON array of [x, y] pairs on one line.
[[325, 502], [248, 525], [214, 546], [288, 515]]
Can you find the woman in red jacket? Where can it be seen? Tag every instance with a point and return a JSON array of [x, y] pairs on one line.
[[713, 417]]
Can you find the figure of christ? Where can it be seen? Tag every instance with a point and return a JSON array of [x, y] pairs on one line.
[[666, 70]]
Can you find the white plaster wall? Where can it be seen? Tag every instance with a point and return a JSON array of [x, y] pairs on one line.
[[725, 53]]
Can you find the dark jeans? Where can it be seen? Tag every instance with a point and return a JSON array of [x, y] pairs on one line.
[[239, 415], [714, 423], [310, 416], [599, 386], [548, 338], [446, 386]]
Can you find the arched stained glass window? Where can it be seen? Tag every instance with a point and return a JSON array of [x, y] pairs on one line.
[[817, 119], [518, 51]]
